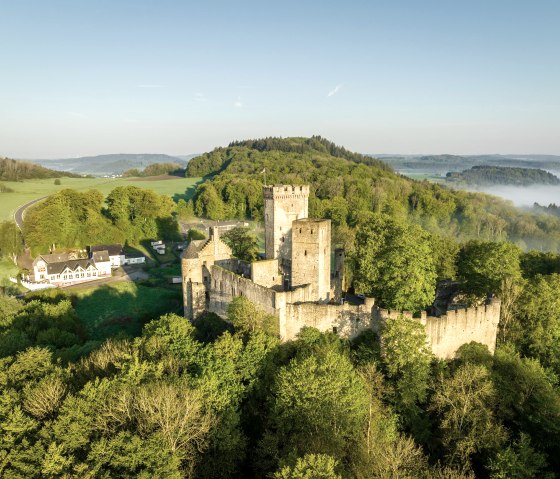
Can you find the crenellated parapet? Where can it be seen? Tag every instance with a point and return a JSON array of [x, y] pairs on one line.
[[285, 191], [447, 333]]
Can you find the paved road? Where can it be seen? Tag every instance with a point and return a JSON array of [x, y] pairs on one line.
[[18, 215]]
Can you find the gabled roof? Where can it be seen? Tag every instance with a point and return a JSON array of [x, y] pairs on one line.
[[194, 248], [53, 258], [112, 249], [100, 256], [72, 265]]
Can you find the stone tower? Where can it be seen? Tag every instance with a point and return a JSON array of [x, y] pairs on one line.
[[311, 257], [283, 204]]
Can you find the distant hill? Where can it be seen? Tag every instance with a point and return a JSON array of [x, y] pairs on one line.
[[17, 170], [502, 175], [114, 164], [441, 164]]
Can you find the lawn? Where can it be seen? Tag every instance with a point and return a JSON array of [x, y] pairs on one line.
[[28, 190], [7, 269], [122, 307]]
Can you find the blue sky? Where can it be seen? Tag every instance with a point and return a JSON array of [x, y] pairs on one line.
[[178, 77]]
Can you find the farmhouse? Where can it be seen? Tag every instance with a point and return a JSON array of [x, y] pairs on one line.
[[70, 268], [297, 284], [67, 268]]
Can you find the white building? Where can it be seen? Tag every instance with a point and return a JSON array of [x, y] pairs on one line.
[[115, 251], [65, 268]]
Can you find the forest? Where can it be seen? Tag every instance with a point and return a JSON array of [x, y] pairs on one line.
[[222, 398], [72, 218], [156, 169], [345, 189], [16, 170], [503, 175]]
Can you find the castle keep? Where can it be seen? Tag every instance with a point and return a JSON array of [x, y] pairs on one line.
[[296, 283]]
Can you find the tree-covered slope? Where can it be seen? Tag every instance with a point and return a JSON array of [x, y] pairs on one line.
[[346, 186], [503, 175], [16, 170], [113, 164]]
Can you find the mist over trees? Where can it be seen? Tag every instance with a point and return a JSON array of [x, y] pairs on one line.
[[217, 399], [346, 187]]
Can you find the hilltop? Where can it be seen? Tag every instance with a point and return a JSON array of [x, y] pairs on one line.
[[113, 164], [441, 164], [17, 170], [504, 175], [347, 186]]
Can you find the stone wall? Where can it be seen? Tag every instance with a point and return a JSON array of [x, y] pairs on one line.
[[338, 280], [449, 332], [265, 273], [194, 299], [346, 320], [227, 285], [446, 334]]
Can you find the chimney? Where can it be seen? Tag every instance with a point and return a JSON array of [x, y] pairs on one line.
[[215, 237]]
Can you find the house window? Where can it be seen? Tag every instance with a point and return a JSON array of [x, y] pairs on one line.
[[305, 253], [335, 330]]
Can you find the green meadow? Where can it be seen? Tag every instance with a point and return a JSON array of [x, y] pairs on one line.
[[121, 307], [29, 190]]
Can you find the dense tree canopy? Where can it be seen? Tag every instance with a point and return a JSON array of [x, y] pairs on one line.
[[71, 218], [345, 186], [394, 263]]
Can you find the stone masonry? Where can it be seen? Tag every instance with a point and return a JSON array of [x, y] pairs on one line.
[[297, 284]]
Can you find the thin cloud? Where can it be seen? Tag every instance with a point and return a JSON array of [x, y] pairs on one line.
[[149, 85], [239, 103], [335, 90]]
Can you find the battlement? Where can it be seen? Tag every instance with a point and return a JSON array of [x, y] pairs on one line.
[[447, 333], [285, 191]]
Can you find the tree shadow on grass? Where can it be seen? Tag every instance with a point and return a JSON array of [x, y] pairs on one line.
[[190, 191], [109, 312]]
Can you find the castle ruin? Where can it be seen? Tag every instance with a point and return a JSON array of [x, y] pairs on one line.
[[296, 283]]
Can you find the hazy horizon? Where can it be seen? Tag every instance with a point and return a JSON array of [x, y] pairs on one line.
[[88, 78], [362, 152]]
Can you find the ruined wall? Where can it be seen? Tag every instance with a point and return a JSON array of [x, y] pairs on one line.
[[235, 265], [265, 273], [194, 299], [446, 334], [283, 204], [449, 332], [346, 320], [311, 256], [227, 285], [338, 285]]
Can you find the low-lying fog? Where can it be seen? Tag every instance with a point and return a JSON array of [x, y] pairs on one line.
[[524, 195]]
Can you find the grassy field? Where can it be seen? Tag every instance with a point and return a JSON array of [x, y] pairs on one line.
[[7, 269], [122, 307], [29, 190]]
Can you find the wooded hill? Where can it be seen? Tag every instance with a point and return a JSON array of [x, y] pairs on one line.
[[112, 164], [346, 186], [503, 175], [16, 170]]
